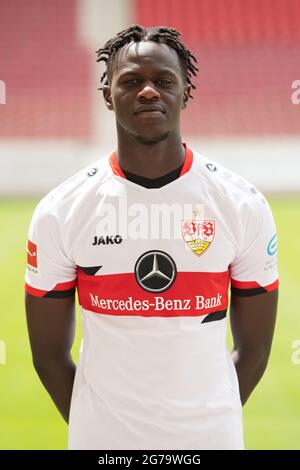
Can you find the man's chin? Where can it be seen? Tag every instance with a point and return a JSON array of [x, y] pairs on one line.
[[151, 139]]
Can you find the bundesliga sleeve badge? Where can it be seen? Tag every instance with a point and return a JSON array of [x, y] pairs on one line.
[[32, 256], [198, 234]]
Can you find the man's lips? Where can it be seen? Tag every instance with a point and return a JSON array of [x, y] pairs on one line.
[[148, 109]]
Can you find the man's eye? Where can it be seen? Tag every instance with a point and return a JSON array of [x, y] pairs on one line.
[[164, 82], [131, 81]]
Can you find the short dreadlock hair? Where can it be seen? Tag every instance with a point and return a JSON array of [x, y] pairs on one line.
[[159, 34]]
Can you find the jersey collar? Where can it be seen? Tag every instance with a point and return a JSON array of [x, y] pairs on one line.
[[188, 160]]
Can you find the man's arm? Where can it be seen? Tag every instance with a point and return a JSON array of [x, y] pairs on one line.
[[252, 324], [51, 328]]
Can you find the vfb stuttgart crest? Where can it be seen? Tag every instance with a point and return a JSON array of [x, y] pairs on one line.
[[198, 234]]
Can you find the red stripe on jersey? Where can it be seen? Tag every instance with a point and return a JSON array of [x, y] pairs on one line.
[[253, 285], [244, 284], [33, 291], [272, 286], [188, 160], [65, 285], [61, 286], [192, 294]]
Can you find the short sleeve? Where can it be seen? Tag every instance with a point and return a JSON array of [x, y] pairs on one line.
[[254, 269], [49, 272]]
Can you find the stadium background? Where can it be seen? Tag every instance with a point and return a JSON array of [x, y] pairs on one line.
[[53, 122]]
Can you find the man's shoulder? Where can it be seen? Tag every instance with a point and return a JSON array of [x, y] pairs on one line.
[[229, 185], [75, 190]]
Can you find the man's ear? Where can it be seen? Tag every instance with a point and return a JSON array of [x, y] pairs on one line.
[[186, 95], [107, 97]]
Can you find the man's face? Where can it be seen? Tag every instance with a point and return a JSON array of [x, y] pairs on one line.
[[147, 90]]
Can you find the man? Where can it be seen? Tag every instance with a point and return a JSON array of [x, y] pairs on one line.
[[151, 235]]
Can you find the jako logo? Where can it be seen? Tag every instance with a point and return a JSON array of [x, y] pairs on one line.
[[272, 246], [108, 240], [2, 92]]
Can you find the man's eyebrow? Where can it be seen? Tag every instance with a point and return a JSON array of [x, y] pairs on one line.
[[138, 71]]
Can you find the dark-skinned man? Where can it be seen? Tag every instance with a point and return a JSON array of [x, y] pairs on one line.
[[152, 236]]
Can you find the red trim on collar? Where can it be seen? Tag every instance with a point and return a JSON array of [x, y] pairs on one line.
[[115, 165], [188, 160]]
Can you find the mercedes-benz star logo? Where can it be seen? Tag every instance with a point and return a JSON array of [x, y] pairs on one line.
[[155, 271]]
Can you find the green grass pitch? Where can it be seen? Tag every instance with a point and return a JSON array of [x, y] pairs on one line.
[[28, 418]]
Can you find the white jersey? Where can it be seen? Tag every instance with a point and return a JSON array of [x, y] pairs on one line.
[[152, 269]]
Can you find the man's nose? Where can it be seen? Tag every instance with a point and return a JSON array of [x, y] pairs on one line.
[[148, 92]]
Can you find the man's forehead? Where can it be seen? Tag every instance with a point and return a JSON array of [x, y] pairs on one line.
[[136, 54]]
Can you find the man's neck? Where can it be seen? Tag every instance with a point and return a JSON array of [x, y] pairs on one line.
[[150, 160]]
